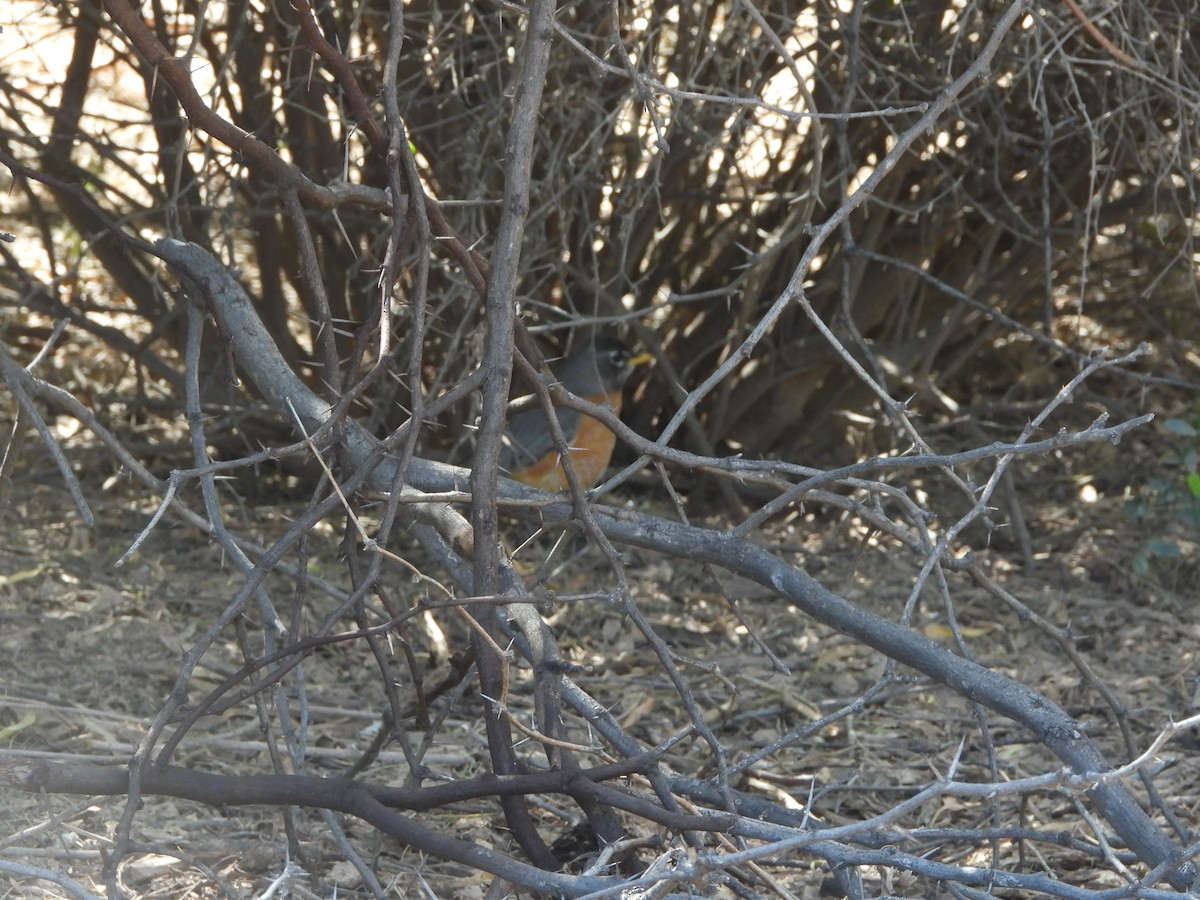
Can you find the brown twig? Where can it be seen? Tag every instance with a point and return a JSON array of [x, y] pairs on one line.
[[1101, 39]]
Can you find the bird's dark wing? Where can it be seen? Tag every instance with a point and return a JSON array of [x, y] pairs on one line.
[[528, 439]]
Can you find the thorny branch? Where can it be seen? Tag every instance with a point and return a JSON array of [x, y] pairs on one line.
[[424, 498]]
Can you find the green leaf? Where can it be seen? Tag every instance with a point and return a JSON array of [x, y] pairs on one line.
[[1164, 549], [1180, 427], [1193, 483]]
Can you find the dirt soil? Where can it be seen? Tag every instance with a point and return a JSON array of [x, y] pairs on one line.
[[88, 653]]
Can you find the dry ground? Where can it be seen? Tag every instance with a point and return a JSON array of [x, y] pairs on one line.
[[88, 653]]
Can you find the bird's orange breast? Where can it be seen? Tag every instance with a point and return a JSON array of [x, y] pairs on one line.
[[591, 448]]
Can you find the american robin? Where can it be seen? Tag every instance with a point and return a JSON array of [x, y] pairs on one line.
[[596, 373]]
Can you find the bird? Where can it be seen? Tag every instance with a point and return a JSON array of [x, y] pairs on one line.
[[596, 373]]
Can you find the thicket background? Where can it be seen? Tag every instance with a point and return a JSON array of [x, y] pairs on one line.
[[872, 246]]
